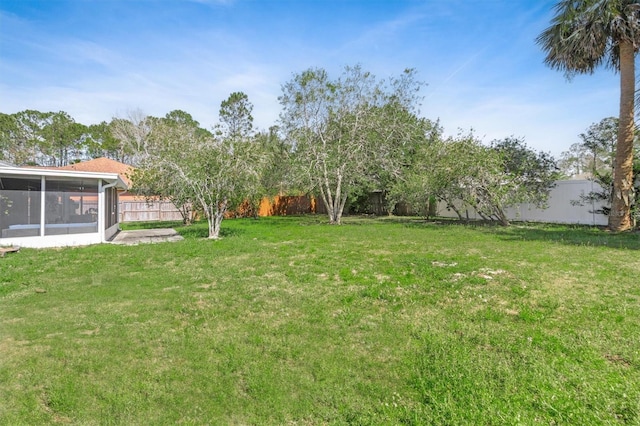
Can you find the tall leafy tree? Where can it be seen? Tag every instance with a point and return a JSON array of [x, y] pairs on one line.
[[235, 115], [63, 140], [153, 179], [236, 128], [583, 35], [599, 141], [21, 135], [132, 134], [100, 142], [593, 156], [345, 131], [575, 161]]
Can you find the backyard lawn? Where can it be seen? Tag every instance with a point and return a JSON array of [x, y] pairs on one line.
[[293, 321]]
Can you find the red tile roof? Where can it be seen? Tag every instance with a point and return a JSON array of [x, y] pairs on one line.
[[103, 165]]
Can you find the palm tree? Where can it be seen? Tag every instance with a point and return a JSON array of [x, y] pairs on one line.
[[583, 35]]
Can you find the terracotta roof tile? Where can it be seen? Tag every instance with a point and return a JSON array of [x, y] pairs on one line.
[[104, 165]]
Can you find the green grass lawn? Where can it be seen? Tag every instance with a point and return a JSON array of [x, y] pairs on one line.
[[293, 321]]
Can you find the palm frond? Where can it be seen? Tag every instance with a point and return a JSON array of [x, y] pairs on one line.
[[585, 34]]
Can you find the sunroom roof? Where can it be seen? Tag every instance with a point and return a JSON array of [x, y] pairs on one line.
[[34, 172]]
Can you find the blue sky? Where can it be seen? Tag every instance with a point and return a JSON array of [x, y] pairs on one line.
[[97, 59]]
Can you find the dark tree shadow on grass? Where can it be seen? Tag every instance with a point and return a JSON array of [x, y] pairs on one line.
[[571, 235], [201, 230], [198, 229], [576, 235], [131, 226]]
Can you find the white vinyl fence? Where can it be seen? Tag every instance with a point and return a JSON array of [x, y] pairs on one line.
[[560, 209]]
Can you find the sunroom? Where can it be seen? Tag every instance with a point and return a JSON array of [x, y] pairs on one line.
[[54, 208]]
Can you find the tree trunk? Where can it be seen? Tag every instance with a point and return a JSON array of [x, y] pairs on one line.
[[335, 212], [432, 207], [327, 200], [484, 217], [502, 217], [214, 225], [185, 211], [338, 201], [340, 211], [214, 218], [452, 207], [333, 203], [622, 197]]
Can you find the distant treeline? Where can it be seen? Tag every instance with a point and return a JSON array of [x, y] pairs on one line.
[[38, 138]]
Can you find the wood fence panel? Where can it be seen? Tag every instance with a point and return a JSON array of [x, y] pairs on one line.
[[141, 211], [282, 205]]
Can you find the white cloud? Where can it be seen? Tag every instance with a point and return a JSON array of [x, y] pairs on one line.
[[482, 73]]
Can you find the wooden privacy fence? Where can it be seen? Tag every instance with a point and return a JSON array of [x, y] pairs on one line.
[[280, 205], [284, 205], [141, 211]]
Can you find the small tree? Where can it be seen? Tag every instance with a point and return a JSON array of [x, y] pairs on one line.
[[154, 183], [439, 170], [598, 145], [236, 126], [533, 173], [462, 172], [418, 179], [214, 171]]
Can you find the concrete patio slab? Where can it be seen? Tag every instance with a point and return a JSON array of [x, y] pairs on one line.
[[143, 236]]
